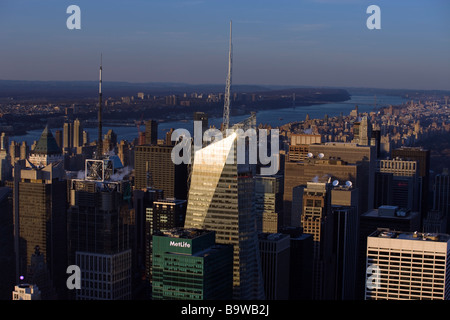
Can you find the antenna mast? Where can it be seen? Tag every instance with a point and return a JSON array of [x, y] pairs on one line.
[[100, 140], [226, 108]]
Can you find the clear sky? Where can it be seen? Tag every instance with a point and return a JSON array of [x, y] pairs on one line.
[[276, 42]]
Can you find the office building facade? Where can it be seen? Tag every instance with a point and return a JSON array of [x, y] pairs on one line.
[[407, 266], [189, 265]]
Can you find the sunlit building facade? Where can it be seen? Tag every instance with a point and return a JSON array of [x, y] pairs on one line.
[[221, 199]]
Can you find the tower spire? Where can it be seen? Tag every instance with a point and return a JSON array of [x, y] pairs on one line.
[[226, 108], [100, 140]]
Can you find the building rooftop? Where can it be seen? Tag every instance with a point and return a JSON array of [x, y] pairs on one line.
[[183, 233], [47, 144], [392, 234]]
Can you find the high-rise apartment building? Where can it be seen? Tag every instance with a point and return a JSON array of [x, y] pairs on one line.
[[221, 199], [189, 265], [407, 266]]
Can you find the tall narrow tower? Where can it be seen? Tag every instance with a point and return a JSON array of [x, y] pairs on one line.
[[99, 141], [226, 107]]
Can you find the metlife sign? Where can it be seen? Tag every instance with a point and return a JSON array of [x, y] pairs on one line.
[[182, 244]]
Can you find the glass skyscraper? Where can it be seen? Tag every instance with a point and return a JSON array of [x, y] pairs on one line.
[[221, 198]]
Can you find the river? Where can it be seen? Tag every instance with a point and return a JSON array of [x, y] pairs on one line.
[[274, 117]]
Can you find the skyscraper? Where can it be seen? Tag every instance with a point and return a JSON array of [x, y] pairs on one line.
[[189, 265], [315, 221], [151, 132], [315, 169], [442, 195], [99, 231], [406, 184], [275, 258], [407, 266], [221, 199], [67, 137], [154, 168], [77, 134], [46, 150], [162, 215], [422, 156], [268, 202], [344, 243], [40, 220]]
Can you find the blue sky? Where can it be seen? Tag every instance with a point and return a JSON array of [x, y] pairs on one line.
[[283, 42]]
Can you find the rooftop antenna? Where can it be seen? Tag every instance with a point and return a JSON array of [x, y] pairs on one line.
[[226, 107], [99, 141]]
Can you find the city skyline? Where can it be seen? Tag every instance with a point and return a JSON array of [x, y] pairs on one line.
[[299, 43]]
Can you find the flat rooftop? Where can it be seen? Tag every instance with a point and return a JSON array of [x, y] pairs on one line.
[[418, 236], [183, 233]]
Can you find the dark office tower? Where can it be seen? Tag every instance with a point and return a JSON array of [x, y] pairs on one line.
[[40, 220], [221, 199], [384, 217], [275, 257], [163, 215], [154, 168], [268, 202], [5, 160], [383, 188], [99, 232], [422, 156], [203, 117], [441, 200], [344, 217], [151, 132], [77, 134], [352, 153], [189, 265], [7, 263], [300, 264], [67, 137], [435, 221], [38, 274], [142, 200], [405, 185], [319, 170], [59, 138], [315, 221]]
